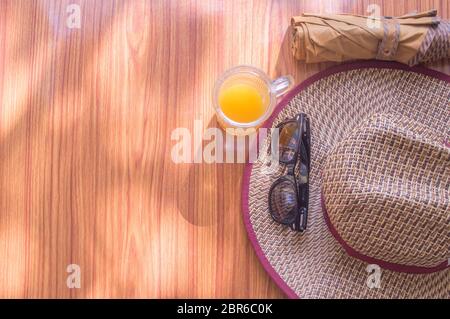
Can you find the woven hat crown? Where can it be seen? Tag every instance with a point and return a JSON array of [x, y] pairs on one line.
[[386, 192]]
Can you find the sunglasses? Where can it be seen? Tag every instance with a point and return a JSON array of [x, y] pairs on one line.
[[289, 194]]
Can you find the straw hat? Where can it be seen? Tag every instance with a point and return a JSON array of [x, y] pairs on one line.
[[379, 207]]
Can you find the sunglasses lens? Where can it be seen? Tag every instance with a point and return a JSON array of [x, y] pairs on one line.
[[283, 202], [289, 140]]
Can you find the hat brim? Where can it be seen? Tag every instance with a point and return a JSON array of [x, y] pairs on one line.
[[314, 264]]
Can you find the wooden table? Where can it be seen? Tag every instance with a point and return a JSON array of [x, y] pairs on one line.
[[86, 116]]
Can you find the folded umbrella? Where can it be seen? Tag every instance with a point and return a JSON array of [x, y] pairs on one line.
[[409, 39]]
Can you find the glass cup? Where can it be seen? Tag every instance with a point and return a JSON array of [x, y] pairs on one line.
[[244, 98]]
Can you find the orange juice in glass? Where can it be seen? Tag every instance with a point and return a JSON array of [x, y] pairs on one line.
[[244, 97]]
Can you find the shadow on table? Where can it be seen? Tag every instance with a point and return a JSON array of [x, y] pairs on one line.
[[50, 135]]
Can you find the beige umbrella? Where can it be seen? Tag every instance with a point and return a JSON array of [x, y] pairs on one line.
[[409, 39]]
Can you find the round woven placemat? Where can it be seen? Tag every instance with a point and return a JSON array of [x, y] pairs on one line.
[[313, 264]]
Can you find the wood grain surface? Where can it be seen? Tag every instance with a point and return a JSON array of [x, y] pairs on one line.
[[86, 116]]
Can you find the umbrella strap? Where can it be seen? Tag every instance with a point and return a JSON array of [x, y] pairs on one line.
[[387, 48]]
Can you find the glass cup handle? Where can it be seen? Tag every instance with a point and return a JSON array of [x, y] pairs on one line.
[[281, 85]]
